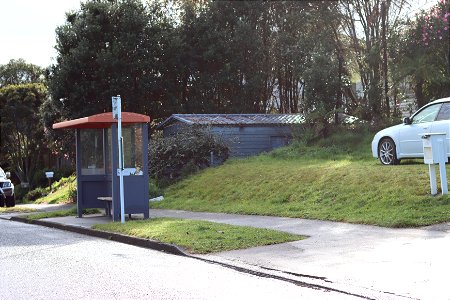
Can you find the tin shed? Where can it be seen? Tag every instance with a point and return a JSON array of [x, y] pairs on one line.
[[246, 134]]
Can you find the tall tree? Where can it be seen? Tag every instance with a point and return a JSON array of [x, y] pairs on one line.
[[424, 53], [21, 129], [107, 48], [368, 24], [250, 56], [15, 72], [20, 72]]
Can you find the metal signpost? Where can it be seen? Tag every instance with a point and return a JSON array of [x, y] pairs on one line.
[[117, 114]]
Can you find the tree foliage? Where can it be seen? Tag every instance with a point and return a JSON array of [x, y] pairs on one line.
[[232, 57], [425, 53], [22, 139], [213, 57], [370, 25], [106, 48], [17, 71]]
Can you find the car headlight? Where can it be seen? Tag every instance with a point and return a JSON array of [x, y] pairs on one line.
[[6, 184]]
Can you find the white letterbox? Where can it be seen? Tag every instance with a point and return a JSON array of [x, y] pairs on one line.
[[49, 174], [435, 152], [434, 148]]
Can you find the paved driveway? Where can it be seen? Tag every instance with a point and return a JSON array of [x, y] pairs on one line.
[[411, 263]]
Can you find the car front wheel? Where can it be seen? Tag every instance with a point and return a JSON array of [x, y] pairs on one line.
[[10, 201], [387, 152]]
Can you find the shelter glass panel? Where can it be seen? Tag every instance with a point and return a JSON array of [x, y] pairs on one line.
[[92, 152], [108, 150], [133, 149]]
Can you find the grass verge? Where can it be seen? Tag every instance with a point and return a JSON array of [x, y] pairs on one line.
[[61, 213], [200, 237], [16, 209], [334, 179]]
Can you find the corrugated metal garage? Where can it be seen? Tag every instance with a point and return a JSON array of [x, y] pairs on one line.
[[246, 134]]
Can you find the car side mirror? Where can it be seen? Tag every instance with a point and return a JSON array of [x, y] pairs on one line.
[[407, 121], [8, 174]]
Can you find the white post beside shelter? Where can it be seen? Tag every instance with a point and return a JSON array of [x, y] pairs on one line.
[[435, 152], [117, 114]]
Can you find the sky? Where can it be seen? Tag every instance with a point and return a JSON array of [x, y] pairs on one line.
[[27, 28]]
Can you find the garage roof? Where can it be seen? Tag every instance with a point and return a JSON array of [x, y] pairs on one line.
[[234, 119]]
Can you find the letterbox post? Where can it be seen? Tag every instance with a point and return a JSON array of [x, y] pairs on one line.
[[49, 176], [443, 159]]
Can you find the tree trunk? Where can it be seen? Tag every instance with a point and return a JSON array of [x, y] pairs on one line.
[[385, 62], [418, 91]]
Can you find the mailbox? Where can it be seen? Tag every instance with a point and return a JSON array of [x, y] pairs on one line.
[[434, 148], [435, 152], [49, 174]]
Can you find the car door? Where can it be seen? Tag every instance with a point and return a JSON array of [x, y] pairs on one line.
[[410, 141], [442, 123]]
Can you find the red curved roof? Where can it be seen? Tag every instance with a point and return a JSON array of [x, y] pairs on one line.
[[103, 120]]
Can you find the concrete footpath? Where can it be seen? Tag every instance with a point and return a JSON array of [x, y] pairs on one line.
[[365, 261]]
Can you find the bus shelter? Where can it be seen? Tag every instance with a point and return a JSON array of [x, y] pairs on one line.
[[97, 162]]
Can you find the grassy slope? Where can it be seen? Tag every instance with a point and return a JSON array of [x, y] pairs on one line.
[[200, 236], [336, 179], [61, 191]]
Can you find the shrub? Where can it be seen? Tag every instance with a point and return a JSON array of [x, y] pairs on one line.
[[154, 190], [19, 192], [72, 195], [63, 172], [39, 179], [36, 194], [174, 157]]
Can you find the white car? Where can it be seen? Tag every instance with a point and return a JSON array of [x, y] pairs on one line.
[[6, 189], [394, 143]]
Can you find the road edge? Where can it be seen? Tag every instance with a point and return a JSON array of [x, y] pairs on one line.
[[117, 237]]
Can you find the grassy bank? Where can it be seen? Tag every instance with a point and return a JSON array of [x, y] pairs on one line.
[[62, 191], [333, 179], [200, 236]]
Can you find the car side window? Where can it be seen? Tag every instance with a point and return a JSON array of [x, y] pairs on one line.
[[427, 114], [444, 113]]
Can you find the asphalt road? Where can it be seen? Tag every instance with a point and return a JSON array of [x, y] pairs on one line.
[[42, 263]]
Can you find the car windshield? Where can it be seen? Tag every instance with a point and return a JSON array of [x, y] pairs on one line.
[[2, 173], [428, 114]]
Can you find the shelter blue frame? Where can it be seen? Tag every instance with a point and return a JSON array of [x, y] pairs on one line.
[[95, 182]]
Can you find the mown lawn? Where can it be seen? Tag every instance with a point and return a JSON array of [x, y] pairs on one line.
[[334, 179], [200, 237]]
